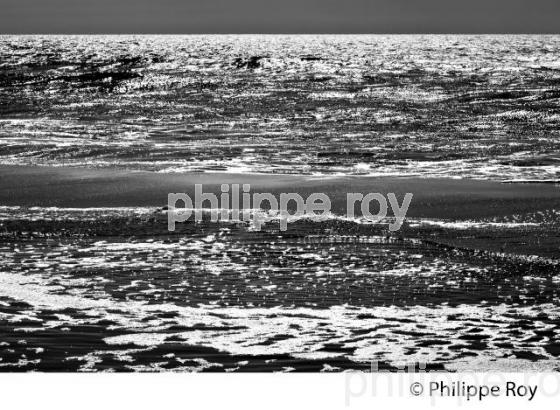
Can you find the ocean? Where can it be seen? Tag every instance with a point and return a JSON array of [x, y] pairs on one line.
[[469, 124], [482, 107]]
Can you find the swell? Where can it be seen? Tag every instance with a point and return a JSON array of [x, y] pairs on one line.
[[459, 106]]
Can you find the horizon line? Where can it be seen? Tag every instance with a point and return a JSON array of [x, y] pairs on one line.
[[286, 34]]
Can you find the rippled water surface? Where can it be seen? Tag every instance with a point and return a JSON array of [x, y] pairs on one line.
[[467, 106], [111, 289]]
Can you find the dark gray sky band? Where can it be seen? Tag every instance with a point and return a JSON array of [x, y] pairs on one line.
[[275, 16]]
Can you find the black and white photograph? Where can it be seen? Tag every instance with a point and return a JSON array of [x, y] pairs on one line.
[[310, 186]]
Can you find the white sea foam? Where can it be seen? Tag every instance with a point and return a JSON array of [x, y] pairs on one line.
[[462, 225], [244, 330]]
